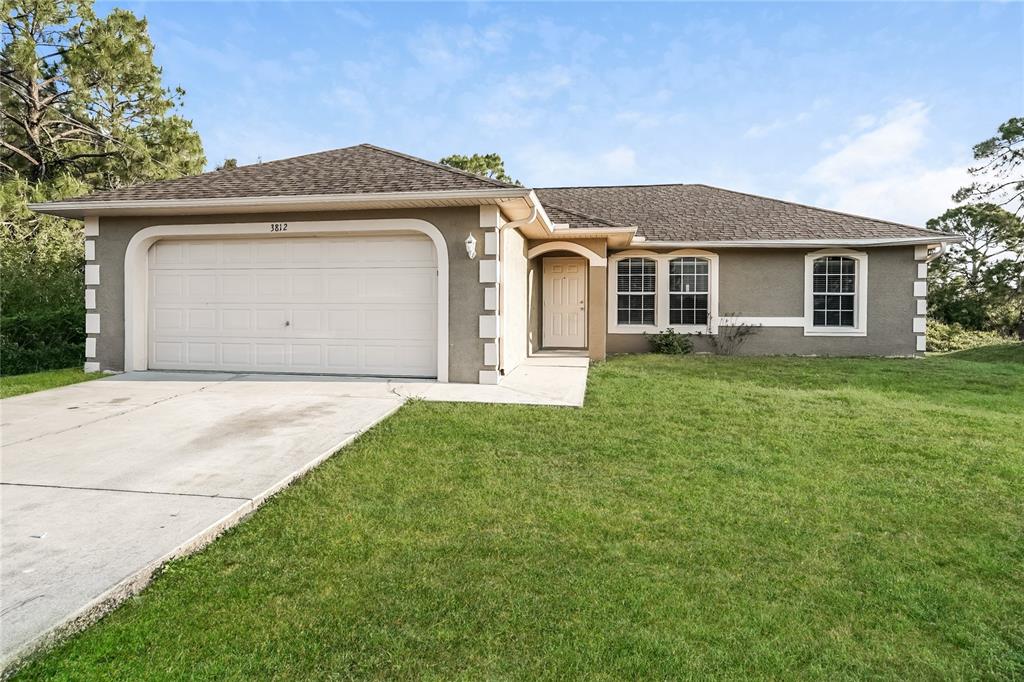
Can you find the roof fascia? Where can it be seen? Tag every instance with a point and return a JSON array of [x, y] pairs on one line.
[[788, 243], [80, 209]]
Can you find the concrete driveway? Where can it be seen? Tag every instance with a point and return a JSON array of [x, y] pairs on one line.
[[102, 482]]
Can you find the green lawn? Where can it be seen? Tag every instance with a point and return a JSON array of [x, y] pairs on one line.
[[39, 381], [727, 517]]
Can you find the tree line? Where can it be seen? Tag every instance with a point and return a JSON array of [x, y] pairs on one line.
[[83, 108]]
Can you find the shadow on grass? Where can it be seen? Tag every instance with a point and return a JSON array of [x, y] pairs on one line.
[[1003, 352]]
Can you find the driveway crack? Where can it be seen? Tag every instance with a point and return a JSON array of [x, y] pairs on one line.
[[125, 490]]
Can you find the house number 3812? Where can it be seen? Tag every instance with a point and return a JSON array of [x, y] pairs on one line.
[[278, 227]]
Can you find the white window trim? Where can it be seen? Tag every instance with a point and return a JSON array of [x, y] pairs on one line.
[[661, 293], [860, 326]]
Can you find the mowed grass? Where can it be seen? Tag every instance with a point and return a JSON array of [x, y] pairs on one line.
[[700, 516], [19, 384]]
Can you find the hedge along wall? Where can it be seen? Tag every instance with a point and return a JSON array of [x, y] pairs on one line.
[[36, 341]]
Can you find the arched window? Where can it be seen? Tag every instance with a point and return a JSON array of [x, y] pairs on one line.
[[834, 289], [688, 288], [635, 291]]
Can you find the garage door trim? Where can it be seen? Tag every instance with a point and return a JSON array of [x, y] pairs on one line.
[[136, 269]]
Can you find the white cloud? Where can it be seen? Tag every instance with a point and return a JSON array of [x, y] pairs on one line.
[[764, 129], [354, 16], [878, 170], [622, 159]]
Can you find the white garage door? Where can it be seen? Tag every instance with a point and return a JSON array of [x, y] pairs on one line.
[[327, 305]]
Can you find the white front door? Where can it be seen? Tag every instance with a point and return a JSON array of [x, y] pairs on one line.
[[320, 305], [565, 303]]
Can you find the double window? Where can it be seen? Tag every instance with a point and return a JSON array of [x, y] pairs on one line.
[[657, 291]]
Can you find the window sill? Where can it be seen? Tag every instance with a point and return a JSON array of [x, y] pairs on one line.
[[834, 331], [650, 329]]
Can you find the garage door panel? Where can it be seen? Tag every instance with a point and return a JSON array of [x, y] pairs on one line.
[[307, 322], [271, 320], [235, 287], [274, 286], [200, 286], [169, 352], [202, 353], [202, 253], [342, 285], [307, 355], [167, 287], [235, 320], [236, 252], [235, 355], [167, 253], [202, 320], [328, 305]]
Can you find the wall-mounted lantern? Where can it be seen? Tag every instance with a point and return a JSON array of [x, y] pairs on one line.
[[471, 246]]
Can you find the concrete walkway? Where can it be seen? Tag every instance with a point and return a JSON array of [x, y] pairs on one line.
[[103, 482]]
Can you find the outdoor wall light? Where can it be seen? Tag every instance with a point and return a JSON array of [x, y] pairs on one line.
[[471, 246]]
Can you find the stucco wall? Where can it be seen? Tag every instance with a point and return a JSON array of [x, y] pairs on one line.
[[514, 264], [465, 294], [770, 283]]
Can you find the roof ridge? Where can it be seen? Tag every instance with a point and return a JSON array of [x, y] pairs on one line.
[[652, 184], [216, 171], [432, 164]]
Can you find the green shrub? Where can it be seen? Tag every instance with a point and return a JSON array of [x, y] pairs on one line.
[[37, 341], [944, 338], [670, 343]]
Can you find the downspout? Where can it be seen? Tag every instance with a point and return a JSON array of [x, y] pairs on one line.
[[501, 285], [933, 256]]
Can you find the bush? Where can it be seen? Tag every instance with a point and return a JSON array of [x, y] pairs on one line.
[[944, 338], [670, 343], [37, 341]]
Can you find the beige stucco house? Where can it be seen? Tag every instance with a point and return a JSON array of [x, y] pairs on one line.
[[366, 261]]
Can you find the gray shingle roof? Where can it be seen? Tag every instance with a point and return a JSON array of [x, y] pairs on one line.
[[659, 212], [575, 219], [362, 169], [703, 213]]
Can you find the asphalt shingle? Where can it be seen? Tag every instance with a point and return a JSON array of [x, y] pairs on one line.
[[703, 213], [362, 169], [659, 212]]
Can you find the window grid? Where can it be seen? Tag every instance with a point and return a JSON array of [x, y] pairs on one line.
[[635, 291], [835, 291], [688, 281]]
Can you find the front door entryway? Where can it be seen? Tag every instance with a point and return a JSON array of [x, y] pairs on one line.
[[565, 303]]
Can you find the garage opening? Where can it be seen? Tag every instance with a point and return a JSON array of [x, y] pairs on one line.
[[350, 305]]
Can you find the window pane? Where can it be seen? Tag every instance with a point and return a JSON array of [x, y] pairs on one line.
[[634, 305], [836, 277]]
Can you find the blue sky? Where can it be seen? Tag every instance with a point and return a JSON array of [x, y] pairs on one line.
[[868, 108]]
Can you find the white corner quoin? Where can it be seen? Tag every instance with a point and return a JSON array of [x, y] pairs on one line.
[[136, 270]]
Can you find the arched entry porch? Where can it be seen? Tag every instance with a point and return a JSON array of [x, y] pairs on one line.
[[567, 292]]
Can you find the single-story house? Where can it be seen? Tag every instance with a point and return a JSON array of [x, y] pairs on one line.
[[367, 261]]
